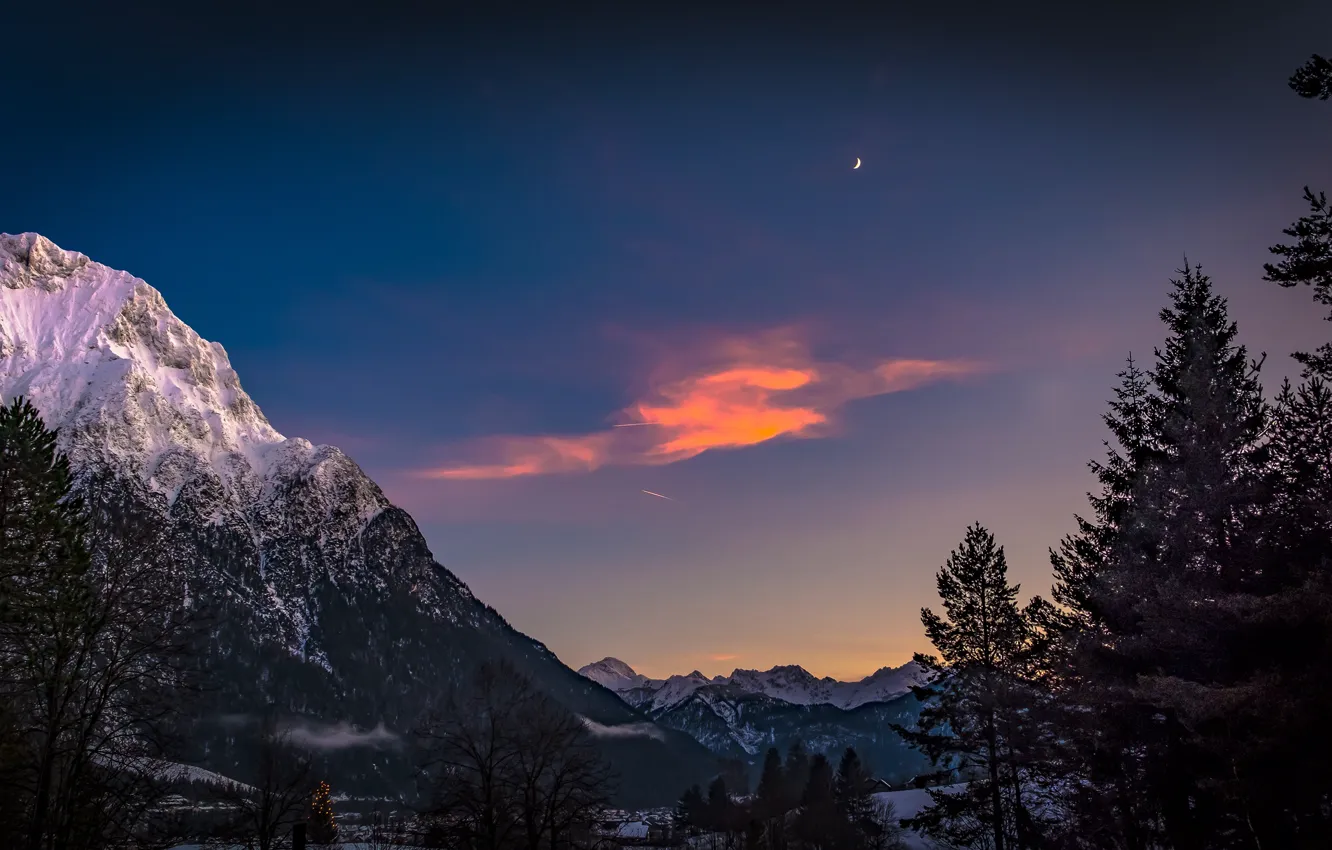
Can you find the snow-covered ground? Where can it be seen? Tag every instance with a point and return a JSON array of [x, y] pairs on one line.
[[909, 803]]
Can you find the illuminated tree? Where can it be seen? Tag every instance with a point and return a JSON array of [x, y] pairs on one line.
[[323, 828]]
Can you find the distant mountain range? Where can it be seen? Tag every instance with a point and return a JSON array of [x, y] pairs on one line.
[[792, 684], [326, 600], [741, 715]]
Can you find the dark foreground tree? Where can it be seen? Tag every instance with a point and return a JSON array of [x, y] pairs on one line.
[[94, 640], [509, 767], [972, 721], [852, 789], [263, 811], [771, 801], [689, 811]]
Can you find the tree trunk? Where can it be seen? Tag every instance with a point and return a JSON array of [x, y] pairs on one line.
[[38, 826], [996, 805]]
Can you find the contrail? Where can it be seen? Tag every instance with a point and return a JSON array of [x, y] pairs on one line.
[[659, 496], [632, 424]]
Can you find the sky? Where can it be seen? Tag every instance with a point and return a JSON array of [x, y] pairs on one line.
[[468, 248]]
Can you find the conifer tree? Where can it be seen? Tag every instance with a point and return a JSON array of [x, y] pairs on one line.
[[1082, 556], [972, 714], [90, 653], [771, 788], [853, 787], [1280, 649], [796, 771], [820, 823], [689, 811], [771, 799], [1178, 557], [819, 787], [719, 805], [323, 826]]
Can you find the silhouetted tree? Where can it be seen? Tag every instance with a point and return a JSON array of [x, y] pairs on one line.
[[972, 717], [263, 811], [796, 772], [772, 801], [509, 767], [94, 638], [852, 788], [690, 811], [820, 823]]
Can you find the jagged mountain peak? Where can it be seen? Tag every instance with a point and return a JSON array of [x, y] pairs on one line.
[[789, 683], [97, 350], [614, 674]]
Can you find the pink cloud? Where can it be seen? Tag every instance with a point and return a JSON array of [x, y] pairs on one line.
[[734, 392]]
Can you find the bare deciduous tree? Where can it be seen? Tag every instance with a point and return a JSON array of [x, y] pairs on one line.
[[262, 815], [508, 767]]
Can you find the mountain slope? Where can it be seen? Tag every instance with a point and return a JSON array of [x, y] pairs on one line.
[[325, 599]]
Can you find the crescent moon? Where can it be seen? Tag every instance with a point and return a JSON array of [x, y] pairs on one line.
[[857, 165]]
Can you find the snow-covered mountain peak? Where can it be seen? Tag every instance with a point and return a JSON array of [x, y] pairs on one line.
[[100, 354], [32, 260], [614, 674], [789, 683]]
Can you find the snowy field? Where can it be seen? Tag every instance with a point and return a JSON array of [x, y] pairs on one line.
[[908, 804]]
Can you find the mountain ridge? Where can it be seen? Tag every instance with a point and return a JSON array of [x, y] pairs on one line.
[[740, 716], [789, 683]]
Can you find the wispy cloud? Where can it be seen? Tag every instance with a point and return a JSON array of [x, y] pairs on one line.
[[732, 393], [723, 657], [624, 730], [341, 736]]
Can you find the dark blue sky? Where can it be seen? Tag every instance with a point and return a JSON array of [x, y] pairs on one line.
[[414, 229]]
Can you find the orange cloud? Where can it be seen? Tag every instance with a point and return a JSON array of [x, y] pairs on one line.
[[741, 391], [723, 657]]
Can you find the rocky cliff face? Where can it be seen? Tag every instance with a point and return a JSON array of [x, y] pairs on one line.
[[324, 598]]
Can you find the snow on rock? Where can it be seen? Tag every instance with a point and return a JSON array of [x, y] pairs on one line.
[[133, 388], [614, 674], [790, 684]]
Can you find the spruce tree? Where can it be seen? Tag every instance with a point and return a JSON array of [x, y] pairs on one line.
[[819, 823], [719, 811], [852, 790], [46, 591], [796, 771], [853, 787], [1082, 556], [771, 793], [689, 811], [771, 802], [1276, 707], [819, 787], [1154, 662], [973, 712]]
